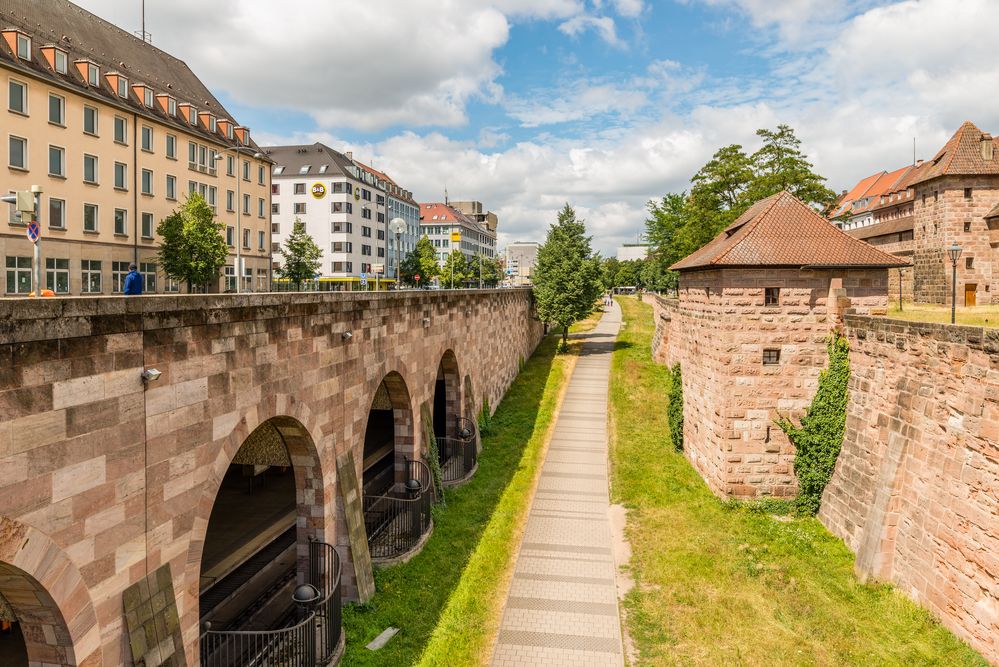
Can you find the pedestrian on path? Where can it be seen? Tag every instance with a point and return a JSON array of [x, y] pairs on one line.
[[133, 281]]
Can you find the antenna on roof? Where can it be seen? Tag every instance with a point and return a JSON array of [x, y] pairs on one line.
[[445, 195], [142, 34]]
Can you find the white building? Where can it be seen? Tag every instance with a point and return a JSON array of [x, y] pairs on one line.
[[400, 205], [520, 258], [438, 221], [342, 205], [631, 251]]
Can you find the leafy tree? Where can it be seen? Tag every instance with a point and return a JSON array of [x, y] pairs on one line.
[[455, 269], [490, 271], [192, 249], [420, 261], [609, 267], [719, 194], [655, 275], [302, 257], [567, 274], [627, 274], [780, 165]]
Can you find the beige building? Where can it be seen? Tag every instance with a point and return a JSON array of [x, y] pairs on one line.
[[116, 133]]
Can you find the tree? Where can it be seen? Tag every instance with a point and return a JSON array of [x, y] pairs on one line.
[[455, 269], [780, 165], [608, 272], [719, 194], [302, 257], [627, 274], [420, 261], [192, 249], [663, 229], [567, 274], [485, 267]]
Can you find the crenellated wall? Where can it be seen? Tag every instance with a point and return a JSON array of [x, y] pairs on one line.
[[103, 479]]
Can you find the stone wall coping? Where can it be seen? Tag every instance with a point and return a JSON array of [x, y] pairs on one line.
[[975, 337], [35, 319]]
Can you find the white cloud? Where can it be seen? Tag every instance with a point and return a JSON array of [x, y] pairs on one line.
[[602, 25]]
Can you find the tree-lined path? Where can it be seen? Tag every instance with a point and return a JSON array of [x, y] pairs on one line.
[[562, 607]]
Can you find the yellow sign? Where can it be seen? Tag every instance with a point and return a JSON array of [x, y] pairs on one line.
[[456, 237], [318, 190]]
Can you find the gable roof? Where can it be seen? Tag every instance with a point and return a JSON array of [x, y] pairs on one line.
[[845, 202], [783, 231], [962, 156], [314, 156], [436, 212]]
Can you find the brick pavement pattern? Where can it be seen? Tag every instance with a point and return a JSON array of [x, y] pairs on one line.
[[562, 605]]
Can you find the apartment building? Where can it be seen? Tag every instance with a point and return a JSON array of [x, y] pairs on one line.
[[116, 132], [519, 260], [342, 205], [438, 221], [400, 205]]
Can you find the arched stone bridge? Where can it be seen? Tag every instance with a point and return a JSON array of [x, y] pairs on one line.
[[104, 479]]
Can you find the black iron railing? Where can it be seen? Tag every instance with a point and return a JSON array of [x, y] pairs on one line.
[[313, 640], [457, 458], [465, 429], [395, 522]]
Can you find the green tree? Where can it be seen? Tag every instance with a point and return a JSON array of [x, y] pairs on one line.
[[455, 269], [719, 194], [608, 272], [488, 267], [420, 261], [780, 165], [302, 257], [627, 274], [191, 248], [663, 229], [567, 274]]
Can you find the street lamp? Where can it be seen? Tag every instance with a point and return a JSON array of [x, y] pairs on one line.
[[397, 226], [954, 252], [238, 150]]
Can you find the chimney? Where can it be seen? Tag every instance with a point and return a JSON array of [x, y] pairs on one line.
[[350, 155], [987, 147]]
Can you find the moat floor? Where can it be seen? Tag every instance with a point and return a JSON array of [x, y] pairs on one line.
[[562, 605]]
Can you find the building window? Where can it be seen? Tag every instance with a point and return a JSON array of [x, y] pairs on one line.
[[967, 226], [90, 120], [171, 187], [57, 213], [969, 262], [275, 189], [365, 194], [212, 196], [230, 165], [771, 357], [381, 252], [148, 271], [90, 217], [343, 246], [93, 75], [90, 169], [147, 182], [300, 208], [120, 176], [771, 296], [299, 188], [120, 130], [343, 227], [172, 106], [967, 193], [119, 271], [91, 271], [171, 146], [120, 222], [275, 228], [18, 275], [230, 201], [61, 61], [381, 234], [57, 109], [123, 87], [275, 209], [57, 161], [147, 225], [230, 236], [366, 232], [246, 238], [147, 138], [230, 279], [304, 169], [260, 240], [246, 204], [57, 275], [366, 213], [380, 217], [246, 170], [366, 250], [260, 208], [18, 156], [261, 174], [17, 100], [23, 47]]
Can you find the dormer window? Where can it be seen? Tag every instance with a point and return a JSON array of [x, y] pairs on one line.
[[93, 74], [122, 87], [60, 61], [23, 46], [322, 169], [147, 97], [193, 118], [172, 106], [278, 170], [209, 121], [304, 169]]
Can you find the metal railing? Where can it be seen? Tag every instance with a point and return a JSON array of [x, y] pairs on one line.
[[457, 458], [465, 429], [395, 522], [313, 640]]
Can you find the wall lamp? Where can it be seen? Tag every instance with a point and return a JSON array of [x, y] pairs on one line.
[[151, 375], [426, 321], [346, 335]]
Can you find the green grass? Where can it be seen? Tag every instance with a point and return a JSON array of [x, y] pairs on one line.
[[978, 316], [451, 589], [721, 584]]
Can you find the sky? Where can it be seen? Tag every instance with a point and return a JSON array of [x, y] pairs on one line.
[[525, 105]]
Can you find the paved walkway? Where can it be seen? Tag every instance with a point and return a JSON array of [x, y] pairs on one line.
[[562, 604]]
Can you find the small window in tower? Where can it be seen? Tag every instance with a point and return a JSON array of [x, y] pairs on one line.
[[967, 226], [771, 296], [771, 357], [967, 193], [969, 262]]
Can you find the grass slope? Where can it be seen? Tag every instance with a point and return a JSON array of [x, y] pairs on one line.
[[719, 584], [449, 589], [978, 316]]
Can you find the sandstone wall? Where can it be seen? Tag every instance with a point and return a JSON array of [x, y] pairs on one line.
[[916, 487], [102, 480]]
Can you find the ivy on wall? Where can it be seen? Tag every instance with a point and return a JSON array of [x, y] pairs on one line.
[[818, 439], [674, 411]]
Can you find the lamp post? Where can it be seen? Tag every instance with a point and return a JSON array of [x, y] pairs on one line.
[[954, 252], [397, 226], [238, 150]]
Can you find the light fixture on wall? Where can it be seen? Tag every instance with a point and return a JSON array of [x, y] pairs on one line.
[[346, 335], [151, 375], [426, 321]]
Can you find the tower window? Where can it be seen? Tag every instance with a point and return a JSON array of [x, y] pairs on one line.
[[771, 357]]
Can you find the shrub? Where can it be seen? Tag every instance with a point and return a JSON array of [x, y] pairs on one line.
[[674, 410]]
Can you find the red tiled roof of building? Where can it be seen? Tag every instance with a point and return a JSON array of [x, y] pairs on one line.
[[438, 212], [845, 202], [781, 230], [962, 155], [902, 224]]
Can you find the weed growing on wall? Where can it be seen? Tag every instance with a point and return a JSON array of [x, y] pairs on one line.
[[819, 438], [485, 418], [674, 411]]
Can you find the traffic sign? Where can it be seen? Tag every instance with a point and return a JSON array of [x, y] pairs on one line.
[[34, 232]]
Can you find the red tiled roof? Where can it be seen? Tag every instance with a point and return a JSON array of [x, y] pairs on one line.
[[902, 224], [443, 212], [781, 230], [961, 155]]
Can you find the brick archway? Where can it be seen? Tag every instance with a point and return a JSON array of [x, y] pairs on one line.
[[49, 598], [448, 373], [303, 439]]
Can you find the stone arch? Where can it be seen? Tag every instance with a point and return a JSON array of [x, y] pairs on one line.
[[446, 395], [396, 397], [49, 597], [313, 498]]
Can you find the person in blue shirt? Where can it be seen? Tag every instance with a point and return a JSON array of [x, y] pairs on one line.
[[133, 281]]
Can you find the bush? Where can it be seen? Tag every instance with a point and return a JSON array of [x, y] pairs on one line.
[[674, 411], [485, 418], [819, 438]]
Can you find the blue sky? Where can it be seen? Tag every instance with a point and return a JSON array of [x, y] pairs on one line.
[[527, 104]]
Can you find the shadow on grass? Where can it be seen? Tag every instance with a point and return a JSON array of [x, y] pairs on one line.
[[412, 596]]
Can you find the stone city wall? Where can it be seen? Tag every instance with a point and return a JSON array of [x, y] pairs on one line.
[[916, 488], [103, 480]]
